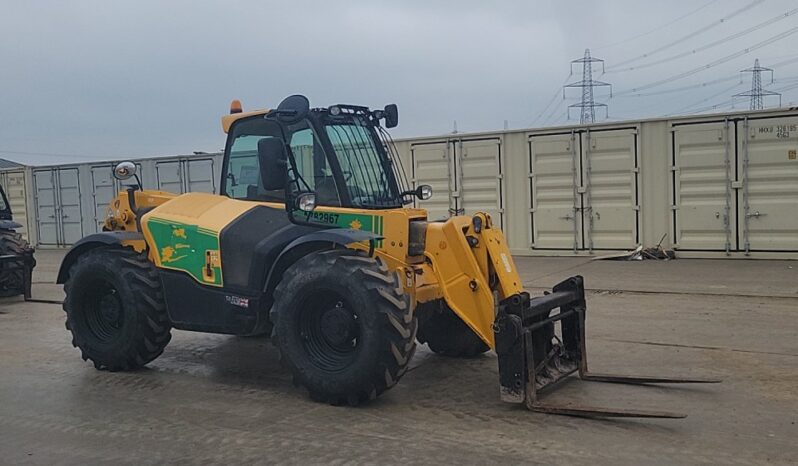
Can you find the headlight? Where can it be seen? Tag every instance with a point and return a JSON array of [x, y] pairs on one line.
[[477, 222], [417, 238], [306, 202]]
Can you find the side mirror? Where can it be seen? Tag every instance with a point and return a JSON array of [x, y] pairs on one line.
[[292, 109], [423, 192], [124, 170], [273, 163], [391, 116]]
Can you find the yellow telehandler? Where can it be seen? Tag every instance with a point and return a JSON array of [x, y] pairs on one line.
[[312, 242]]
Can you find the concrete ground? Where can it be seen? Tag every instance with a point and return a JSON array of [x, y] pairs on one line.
[[213, 399]]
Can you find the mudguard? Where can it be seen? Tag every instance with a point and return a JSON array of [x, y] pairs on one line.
[[105, 238], [9, 225], [313, 242]]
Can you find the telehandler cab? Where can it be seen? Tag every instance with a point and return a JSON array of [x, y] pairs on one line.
[[312, 242]]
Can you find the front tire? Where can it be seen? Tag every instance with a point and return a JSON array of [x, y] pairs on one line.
[[344, 326], [447, 334], [115, 309]]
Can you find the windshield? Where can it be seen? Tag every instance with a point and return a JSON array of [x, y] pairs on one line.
[[366, 170]]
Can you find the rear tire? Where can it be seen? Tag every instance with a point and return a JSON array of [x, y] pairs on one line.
[[447, 334], [12, 281], [344, 326], [115, 309]]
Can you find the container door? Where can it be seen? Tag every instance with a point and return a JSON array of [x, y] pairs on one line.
[[68, 197], [169, 176], [702, 166], [199, 176], [103, 191], [479, 172], [46, 220], [609, 174], [555, 203], [433, 164], [14, 185], [768, 167]]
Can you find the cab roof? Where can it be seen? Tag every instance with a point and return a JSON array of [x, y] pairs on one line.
[[227, 120]]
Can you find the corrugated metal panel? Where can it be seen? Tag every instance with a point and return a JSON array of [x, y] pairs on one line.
[[479, 168], [703, 216], [768, 167], [555, 206], [169, 175], [103, 191], [69, 205], [432, 165], [609, 170], [14, 184], [186, 175], [200, 176], [59, 219]]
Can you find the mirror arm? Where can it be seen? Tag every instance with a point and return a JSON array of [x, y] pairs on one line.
[[232, 178]]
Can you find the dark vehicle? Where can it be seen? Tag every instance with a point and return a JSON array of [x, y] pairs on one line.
[[16, 255]]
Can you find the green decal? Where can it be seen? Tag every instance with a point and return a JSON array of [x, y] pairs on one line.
[[192, 249], [371, 223]]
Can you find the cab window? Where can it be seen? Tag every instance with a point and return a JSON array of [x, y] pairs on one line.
[[242, 179], [312, 165], [243, 168]]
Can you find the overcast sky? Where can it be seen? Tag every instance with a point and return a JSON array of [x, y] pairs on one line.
[[90, 80]]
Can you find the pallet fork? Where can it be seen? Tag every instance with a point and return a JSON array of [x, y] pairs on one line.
[[533, 358]]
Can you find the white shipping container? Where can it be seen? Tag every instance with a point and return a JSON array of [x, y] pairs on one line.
[[70, 201], [707, 186], [13, 182]]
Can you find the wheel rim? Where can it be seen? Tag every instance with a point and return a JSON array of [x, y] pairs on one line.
[[103, 313], [329, 331]]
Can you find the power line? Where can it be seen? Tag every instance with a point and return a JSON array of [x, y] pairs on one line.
[[786, 62], [629, 93], [677, 89], [725, 91], [561, 117], [710, 45], [717, 62], [651, 31], [553, 99], [688, 36], [694, 86], [730, 102]]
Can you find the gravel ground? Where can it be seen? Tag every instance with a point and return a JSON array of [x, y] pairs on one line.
[[212, 399]]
